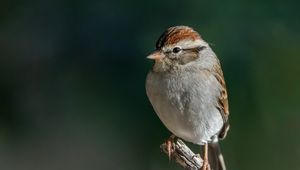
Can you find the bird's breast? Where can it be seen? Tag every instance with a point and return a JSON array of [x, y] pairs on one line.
[[186, 103]]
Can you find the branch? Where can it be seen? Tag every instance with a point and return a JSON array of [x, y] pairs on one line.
[[183, 155]]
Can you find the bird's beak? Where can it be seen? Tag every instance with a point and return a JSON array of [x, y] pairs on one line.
[[156, 55]]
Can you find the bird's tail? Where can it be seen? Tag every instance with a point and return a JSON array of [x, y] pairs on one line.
[[215, 157]]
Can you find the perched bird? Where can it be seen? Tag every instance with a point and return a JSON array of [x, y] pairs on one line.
[[187, 90]]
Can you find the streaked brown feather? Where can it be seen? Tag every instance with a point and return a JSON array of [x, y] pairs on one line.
[[223, 99]]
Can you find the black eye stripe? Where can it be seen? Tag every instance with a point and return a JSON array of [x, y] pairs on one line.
[[196, 49]]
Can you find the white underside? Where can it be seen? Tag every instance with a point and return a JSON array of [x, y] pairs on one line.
[[187, 108]]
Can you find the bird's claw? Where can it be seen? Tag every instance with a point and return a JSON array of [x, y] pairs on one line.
[[170, 146]]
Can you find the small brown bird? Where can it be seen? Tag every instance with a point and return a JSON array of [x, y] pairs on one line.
[[187, 90]]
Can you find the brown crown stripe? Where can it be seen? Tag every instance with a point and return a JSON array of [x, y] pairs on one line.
[[175, 34]]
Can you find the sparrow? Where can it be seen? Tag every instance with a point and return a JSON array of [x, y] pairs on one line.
[[187, 90]]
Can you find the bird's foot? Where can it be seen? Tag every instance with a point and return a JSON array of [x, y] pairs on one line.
[[170, 145], [205, 165]]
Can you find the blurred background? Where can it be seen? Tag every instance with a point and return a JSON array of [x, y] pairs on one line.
[[72, 77]]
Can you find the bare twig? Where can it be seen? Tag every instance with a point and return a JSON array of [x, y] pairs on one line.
[[184, 156]]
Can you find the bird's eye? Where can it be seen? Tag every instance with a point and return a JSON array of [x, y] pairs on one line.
[[176, 50]]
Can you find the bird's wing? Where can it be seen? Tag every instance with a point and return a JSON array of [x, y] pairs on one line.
[[223, 99]]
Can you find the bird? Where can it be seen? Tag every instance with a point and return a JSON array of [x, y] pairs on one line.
[[187, 90]]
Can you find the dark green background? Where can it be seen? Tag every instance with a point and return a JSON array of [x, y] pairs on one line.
[[72, 77]]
